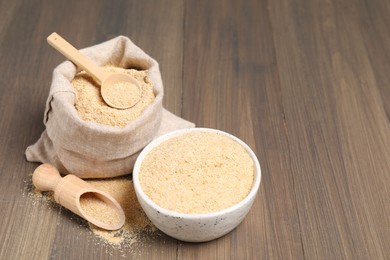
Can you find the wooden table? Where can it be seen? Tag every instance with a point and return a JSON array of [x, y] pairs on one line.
[[305, 83]]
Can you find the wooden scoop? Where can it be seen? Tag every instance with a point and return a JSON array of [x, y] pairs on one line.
[[78, 196], [118, 90]]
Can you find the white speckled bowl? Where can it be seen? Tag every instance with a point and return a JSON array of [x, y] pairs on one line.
[[195, 227]]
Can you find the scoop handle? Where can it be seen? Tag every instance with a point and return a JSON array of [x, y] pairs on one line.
[[46, 177], [70, 52]]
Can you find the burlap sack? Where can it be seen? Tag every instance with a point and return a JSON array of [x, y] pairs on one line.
[[91, 150]]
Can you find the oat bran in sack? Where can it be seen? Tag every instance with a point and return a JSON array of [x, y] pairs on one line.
[[89, 149]]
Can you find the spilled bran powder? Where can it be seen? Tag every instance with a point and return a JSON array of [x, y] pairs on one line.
[[137, 226], [136, 223], [91, 107]]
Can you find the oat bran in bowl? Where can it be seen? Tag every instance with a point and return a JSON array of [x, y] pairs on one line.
[[196, 184]]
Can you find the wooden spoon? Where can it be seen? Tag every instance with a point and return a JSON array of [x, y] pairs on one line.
[[118, 90], [80, 197]]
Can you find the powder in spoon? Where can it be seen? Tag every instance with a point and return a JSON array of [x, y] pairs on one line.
[[122, 94], [96, 208]]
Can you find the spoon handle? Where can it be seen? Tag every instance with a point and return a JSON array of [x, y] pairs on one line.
[[70, 52]]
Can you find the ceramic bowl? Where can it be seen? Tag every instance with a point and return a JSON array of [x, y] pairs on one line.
[[195, 227]]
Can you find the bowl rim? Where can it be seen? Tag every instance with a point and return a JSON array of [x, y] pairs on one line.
[[162, 138]]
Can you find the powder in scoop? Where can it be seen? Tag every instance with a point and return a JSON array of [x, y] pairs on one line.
[[98, 209], [197, 172]]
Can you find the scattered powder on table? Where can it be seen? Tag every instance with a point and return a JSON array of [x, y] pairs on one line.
[[37, 196], [198, 172], [136, 225], [98, 209], [91, 107]]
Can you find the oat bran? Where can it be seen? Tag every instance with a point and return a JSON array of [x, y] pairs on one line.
[[197, 172], [91, 107]]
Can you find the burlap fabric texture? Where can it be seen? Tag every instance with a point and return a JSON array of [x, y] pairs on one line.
[[91, 150]]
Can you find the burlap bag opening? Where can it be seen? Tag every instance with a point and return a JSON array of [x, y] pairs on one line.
[[92, 150]]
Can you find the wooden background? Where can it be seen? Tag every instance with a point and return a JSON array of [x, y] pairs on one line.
[[306, 83]]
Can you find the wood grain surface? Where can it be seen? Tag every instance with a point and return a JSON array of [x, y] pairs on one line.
[[306, 84]]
